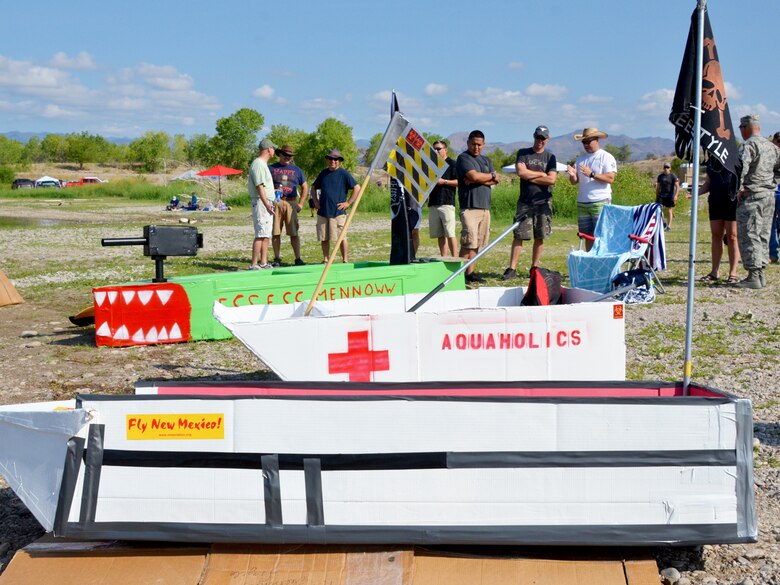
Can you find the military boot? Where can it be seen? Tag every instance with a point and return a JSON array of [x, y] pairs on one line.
[[753, 279], [762, 277]]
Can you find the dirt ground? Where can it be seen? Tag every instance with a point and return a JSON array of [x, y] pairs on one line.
[[44, 357]]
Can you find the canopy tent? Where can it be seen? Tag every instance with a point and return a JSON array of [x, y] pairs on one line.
[[8, 293], [44, 179], [191, 175]]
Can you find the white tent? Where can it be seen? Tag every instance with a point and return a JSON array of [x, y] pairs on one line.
[[46, 178], [191, 175]]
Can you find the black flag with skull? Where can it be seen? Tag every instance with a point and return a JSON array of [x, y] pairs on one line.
[[717, 133]]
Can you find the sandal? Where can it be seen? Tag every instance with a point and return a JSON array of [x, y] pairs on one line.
[[709, 278], [732, 280]]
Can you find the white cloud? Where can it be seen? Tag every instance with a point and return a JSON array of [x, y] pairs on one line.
[[319, 103], [435, 89], [469, 110], [164, 77], [55, 111], [595, 99], [553, 92], [516, 65], [265, 92], [658, 102], [81, 62], [732, 92]]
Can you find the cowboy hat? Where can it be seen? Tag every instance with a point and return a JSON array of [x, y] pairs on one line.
[[286, 149], [335, 154], [590, 133]]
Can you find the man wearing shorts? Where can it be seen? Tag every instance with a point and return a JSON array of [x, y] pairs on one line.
[[593, 173], [476, 176], [261, 189], [536, 168], [441, 204], [330, 191], [667, 185], [287, 178]]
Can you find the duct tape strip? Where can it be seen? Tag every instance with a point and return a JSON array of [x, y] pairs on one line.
[[537, 535], [746, 504], [70, 475], [93, 465], [313, 478], [272, 490], [424, 460]]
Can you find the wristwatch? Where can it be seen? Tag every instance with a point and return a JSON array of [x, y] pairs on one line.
[[493, 175], [592, 174]]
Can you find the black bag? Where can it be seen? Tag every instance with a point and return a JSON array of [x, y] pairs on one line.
[[544, 288]]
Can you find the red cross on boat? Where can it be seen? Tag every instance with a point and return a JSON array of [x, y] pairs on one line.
[[359, 361]]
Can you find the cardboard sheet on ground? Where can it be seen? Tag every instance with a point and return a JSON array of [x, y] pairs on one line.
[[124, 563]]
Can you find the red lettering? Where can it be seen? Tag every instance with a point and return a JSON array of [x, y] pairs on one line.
[[531, 344], [285, 297], [561, 339], [476, 341], [460, 341], [222, 300], [367, 291], [519, 340], [269, 300], [446, 343], [235, 299], [389, 289], [344, 293], [251, 298], [490, 342], [575, 337], [332, 293], [505, 340], [357, 291], [298, 296]]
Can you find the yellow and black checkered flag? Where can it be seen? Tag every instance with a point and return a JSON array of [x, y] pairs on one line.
[[410, 159]]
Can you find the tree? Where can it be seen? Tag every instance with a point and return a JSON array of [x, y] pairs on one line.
[[373, 146], [621, 153], [180, 148], [501, 159], [331, 133], [32, 150], [10, 151], [85, 147], [150, 150], [198, 149], [53, 148], [235, 142], [281, 135]]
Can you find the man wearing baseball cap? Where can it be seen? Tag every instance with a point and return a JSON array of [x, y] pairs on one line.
[[593, 173], [536, 168], [261, 191], [667, 186], [756, 200]]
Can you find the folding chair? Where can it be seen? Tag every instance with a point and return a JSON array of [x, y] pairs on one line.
[[632, 235]]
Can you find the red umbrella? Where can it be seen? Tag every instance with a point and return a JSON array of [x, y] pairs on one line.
[[219, 171]]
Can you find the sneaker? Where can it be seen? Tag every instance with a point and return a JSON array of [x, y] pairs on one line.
[[774, 260], [264, 267], [666, 228], [474, 277], [254, 267], [276, 263], [510, 273], [299, 262]]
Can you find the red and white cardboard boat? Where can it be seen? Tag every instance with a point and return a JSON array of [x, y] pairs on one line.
[[602, 463], [481, 334]]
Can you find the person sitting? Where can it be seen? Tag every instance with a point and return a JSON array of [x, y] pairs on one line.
[[193, 204], [174, 204]]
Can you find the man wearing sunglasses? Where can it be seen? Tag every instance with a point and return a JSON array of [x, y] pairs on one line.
[[287, 178], [441, 204], [537, 169], [593, 173]]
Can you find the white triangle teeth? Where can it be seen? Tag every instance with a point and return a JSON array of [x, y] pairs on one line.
[[163, 336], [164, 295], [128, 295], [151, 336], [175, 331], [138, 336], [104, 330], [144, 296], [112, 294], [100, 296], [122, 333]]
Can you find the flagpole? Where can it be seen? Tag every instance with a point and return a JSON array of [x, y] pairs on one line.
[[688, 364]]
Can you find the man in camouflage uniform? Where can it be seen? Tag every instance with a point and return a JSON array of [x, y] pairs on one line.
[[756, 200]]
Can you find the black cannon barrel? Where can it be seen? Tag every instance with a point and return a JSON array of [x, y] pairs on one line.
[[124, 241]]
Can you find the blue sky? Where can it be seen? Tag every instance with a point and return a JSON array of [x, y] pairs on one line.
[[504, 66]]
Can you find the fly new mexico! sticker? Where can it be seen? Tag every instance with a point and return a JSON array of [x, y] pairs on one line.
[[154, 427]]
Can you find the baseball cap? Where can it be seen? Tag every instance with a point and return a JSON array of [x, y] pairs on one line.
[[266, 143], [542, 131]]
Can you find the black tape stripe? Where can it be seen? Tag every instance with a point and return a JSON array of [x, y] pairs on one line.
[[271, 490], [70, 475], [312, 471], [424, 460], [94, 463]]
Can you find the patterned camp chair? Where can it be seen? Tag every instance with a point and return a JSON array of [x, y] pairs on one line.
[[632, 235]]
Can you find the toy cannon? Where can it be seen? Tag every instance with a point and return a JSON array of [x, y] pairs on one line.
[[159, 242]]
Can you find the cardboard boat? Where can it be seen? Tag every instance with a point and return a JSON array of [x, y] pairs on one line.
[[480, 334], [144, 313], [610, 463]]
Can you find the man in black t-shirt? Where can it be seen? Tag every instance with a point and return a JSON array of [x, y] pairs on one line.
[[537, 169], [667, 186], [441, 204]]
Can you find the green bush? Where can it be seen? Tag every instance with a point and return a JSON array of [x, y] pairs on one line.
[[6, 175]]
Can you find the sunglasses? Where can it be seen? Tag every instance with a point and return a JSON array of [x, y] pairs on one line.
[[437, 148], [540, 138], [589, 140]]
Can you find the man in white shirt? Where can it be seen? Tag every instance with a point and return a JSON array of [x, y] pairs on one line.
[[593, 173]]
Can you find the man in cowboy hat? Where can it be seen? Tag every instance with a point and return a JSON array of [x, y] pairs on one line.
[[287, 178], [330, 191], [261, 191], [593, 173], [756, 200]]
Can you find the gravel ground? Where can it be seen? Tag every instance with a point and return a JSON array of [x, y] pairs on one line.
[[43, 357]]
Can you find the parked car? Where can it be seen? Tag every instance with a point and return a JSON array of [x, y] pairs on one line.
[[49, 184], [85, 181], [23, 184]]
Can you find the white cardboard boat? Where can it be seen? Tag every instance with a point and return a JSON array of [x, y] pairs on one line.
[[612, 463], [481, 334]]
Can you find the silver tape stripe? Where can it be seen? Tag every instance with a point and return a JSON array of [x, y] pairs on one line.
[[93, 465], [272, 490], [312, 472], [70, 475], [746, 504]]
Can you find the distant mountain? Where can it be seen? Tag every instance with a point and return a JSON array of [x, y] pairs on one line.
[[566, 148]]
